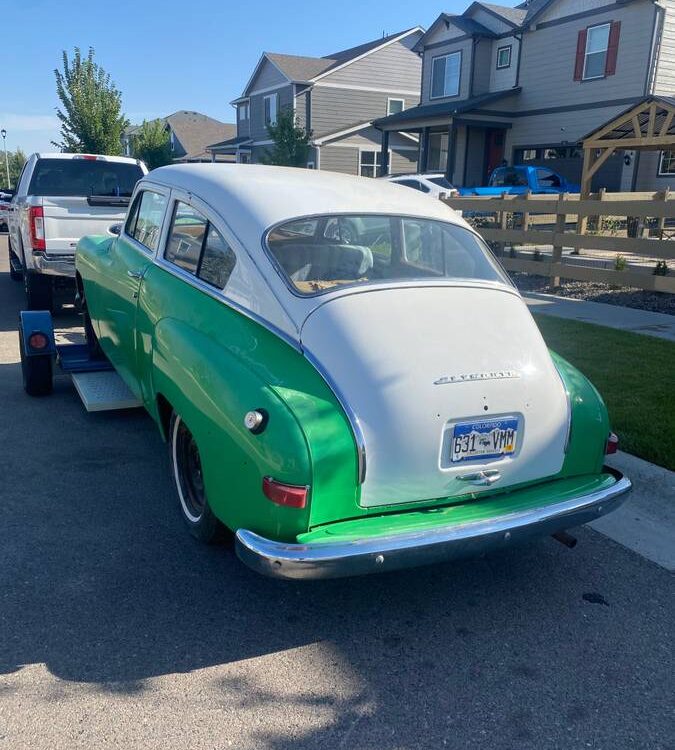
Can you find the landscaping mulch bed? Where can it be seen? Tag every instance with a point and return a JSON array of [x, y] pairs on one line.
[[592, 291]]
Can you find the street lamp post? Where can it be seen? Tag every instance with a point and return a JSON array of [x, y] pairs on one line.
[[3, 133]]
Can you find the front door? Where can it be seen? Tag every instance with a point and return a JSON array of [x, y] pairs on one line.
[[494, 150], [122, 272]]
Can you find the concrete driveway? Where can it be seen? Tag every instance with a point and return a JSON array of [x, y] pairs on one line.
[[117, 630]]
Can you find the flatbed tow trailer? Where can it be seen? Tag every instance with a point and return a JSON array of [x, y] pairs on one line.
[[96, 381]]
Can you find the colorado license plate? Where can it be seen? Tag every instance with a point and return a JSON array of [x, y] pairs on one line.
[[487, 439]]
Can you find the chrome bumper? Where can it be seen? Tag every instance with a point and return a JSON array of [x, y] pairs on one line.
[[384, 553], [54, 265]]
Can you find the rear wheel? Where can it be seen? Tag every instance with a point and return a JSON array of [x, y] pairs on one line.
[[36, 371], [186, 468], [39, 291]]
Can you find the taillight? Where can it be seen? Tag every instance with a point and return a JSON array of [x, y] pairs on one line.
[[36, 228], [38, 341], [612, 444], [288, 495]]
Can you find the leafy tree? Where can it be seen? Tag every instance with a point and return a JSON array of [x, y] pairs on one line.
[[291, 142], [91, 118], [15, 160], [151, 144]]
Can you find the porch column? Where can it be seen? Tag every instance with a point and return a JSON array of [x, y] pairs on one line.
[[450, 164], [424, 151], [385, 152]]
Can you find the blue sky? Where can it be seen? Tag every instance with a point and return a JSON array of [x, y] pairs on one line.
[[198, 57]]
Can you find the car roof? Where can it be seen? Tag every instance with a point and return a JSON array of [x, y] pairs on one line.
[[253, 197]]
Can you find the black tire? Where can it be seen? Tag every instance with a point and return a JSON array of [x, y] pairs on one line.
[[187, 477], [36, 372], [90, 335], [39, 291]]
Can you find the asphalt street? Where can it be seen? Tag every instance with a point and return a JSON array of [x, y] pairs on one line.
[[118, 630]]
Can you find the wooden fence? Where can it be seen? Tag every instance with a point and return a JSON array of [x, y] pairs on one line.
[[566, 222]]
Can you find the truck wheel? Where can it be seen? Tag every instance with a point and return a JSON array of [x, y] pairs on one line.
[[39, 291], [186, 469], [36, 372]]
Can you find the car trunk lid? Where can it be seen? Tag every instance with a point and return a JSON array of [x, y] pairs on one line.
[[415, 363]]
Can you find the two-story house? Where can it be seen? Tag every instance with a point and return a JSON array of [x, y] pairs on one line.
[[335, 98], [525, 84]]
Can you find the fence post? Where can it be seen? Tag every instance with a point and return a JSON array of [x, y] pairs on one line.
[[502, 224], [662, 219], [526, 214], [560, 221]]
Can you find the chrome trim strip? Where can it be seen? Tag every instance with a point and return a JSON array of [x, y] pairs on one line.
[[349, 413], [410, 549]]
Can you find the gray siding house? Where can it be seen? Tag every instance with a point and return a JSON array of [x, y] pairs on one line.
[[335, 98], [524, 84]]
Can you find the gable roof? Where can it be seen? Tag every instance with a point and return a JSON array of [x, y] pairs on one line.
[[196, 131], [302, 69], [297, 68], [513, 16]]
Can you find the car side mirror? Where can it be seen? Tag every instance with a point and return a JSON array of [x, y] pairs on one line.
[[115, 229]]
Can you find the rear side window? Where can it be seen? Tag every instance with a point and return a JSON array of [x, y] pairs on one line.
[[83, 177], [198, 247], [144, 222]]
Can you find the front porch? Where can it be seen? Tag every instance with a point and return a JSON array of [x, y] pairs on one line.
[[455, 138]]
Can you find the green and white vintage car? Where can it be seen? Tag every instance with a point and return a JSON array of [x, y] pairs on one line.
[[345, 376]]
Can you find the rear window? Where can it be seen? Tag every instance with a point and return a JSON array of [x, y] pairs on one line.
[[324, 252], [441, 182], [83, 178]]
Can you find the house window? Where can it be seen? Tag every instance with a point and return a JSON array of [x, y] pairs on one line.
[[667, 163], [243, 112], [595, 58], [437, 158], [370, 163], [394, 106], [504, 57], [271, 109], [445, 73]]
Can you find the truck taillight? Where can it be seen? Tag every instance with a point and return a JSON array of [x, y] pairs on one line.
[[36, 227]]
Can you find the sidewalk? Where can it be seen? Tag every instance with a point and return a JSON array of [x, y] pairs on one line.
[[613, 316], [646, 523]]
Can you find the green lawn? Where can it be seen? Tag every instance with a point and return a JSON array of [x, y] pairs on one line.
[[634, 373]]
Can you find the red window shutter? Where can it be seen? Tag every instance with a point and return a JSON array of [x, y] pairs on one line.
[[612, 48], [581, 51]]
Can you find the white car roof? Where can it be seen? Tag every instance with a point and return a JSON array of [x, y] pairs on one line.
[[251, 198]]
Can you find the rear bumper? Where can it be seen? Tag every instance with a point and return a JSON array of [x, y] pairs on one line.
[[407, 550], [54, 265]]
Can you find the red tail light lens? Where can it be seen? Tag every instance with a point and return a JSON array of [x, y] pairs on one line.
[[38, 341], [36, 228], [612, 444], [288, 495]]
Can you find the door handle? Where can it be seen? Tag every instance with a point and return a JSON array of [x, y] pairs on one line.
[[135, 274], [481, 478]]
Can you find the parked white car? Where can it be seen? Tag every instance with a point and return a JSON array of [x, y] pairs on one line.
[[432, 183], [59, 199]]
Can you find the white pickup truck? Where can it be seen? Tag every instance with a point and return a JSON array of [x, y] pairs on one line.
[[59, 199]]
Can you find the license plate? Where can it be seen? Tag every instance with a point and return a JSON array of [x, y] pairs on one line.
[[487, 439]]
